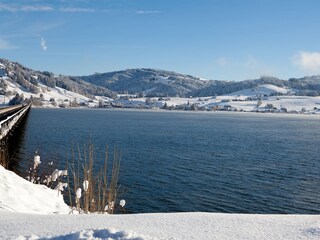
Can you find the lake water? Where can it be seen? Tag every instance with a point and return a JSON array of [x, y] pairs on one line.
[[187, 161]]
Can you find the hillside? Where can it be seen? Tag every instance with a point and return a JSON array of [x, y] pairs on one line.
[[16, 78], [149, 82], [45, 88], [307, 86], [160, 83]]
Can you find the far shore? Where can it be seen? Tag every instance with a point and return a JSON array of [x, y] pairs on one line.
[[255, 113]]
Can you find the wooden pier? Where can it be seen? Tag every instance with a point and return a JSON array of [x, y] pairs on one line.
[[9, 120], [9, 117]]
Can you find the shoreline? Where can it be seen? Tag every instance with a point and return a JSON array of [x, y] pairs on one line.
[[181, 111]]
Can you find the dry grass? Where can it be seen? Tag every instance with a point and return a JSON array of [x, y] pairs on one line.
[[98, 191], [89, 189]]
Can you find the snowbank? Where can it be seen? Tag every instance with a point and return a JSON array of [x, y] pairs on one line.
[[19, 195], [159, 226]]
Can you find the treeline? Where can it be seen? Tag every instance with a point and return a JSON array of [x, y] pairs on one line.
[[308, 86]]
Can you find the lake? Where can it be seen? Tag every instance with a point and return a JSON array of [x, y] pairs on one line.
[[191, 161]]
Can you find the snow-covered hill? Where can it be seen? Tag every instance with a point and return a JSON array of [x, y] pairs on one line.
[[133, 88], [149, 82], [48, 96], [262, 90], [52, 90]]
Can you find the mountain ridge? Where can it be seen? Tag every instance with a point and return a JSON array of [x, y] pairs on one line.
[[144, 82], [152, 82], [157, 83]]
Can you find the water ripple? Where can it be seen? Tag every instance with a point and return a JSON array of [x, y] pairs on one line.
[[194, 162]]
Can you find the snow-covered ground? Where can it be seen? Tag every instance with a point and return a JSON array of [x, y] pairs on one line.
[[238, 103], [260, 98], [22, 196], [261, 90], [27, 211], [159, 226]]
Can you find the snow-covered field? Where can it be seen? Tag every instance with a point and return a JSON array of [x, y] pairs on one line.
[[258, 99], [29, 211]]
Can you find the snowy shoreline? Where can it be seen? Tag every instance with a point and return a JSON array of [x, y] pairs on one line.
[[244, 113], [29, 211]]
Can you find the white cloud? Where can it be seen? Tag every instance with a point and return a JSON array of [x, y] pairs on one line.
[[73, 10], [308, 61], [43, 44], [4, 45], [147, 12], [24, 8], [36, 8], [6, 7], [13, 8]]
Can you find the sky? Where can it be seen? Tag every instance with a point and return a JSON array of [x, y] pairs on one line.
[[211, 39]]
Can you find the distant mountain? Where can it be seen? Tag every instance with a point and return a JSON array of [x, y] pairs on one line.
[[149, 82], [34, 81], [142, 82], [309, 86]]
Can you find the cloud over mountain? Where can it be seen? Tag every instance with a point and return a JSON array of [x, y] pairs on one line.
[[308, 61]]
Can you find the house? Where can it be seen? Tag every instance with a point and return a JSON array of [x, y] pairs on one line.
[[227, 107], [283, 109]]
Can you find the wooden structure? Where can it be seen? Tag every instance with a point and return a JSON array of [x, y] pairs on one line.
[[9, 120]]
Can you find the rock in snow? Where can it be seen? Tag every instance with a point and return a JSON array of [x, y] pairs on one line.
[[26, 212]]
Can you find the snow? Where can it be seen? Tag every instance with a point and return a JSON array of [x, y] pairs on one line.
[[26, 212], [291, 103], [85, 185], [78, 193], [122, 203], [261, 90], [163, 80], [159, 226], [19, 195], [60, 95], [36, 161]]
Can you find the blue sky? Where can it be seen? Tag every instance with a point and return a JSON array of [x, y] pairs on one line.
[[212, 39]]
